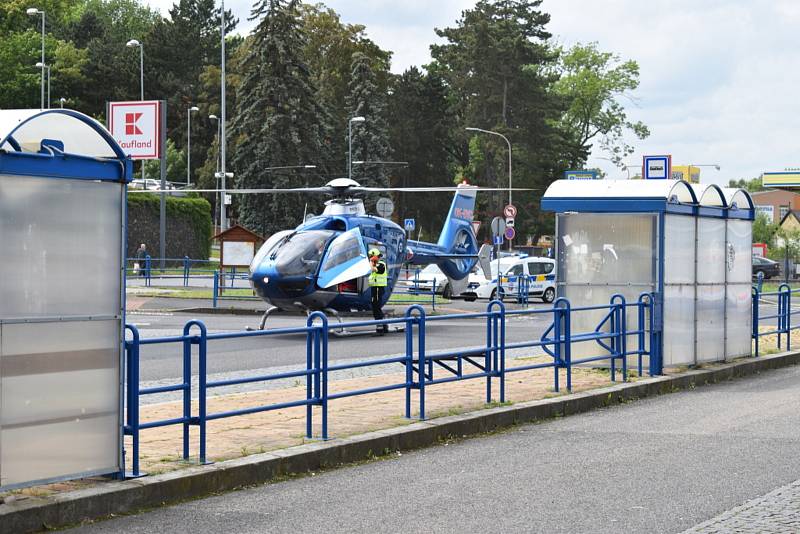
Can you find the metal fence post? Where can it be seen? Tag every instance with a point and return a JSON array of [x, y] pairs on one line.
[[420, 320], [756, 300], [186, 386], [216, 289], [620, 309], [147, 272], [132, 368], [317, 340], [496, 366], [556, 343], [202, 378], [409, 359], [186, 267]]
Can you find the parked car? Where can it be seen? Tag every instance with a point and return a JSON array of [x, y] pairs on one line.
[[540, 270], [149, 184], [428, 278], [764, 265]]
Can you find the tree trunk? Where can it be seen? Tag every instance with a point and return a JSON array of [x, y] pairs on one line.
[[505, 100]]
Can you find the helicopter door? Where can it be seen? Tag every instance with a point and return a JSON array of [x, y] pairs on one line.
[[346, 259]]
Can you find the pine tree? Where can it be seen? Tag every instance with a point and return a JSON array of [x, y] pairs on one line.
[[371, 137], [278, 122]]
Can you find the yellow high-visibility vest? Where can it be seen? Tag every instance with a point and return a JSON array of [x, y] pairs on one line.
[[379, 280]]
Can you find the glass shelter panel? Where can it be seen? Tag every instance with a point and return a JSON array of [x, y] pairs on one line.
[[60, 327], [60, 257], [679, 249], [601, 255], [739, 317], [59, 399], [740, 251], [710, 326], [678, 325], [711, 251], [607, 249]]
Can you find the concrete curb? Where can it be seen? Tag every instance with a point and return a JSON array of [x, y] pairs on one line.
[[33, 514]]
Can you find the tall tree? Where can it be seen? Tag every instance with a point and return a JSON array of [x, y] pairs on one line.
[[486, 61], [421, 128], [370, 138], [329, 54], [279, 121], [594, 82]]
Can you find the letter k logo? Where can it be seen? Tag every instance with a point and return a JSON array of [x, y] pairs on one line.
[[130, 124]]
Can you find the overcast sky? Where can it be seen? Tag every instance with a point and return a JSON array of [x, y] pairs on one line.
[[719, 78]]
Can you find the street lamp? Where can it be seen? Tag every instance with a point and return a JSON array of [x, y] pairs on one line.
[[133, 43], [33, 12], [189, 144], [689, 169], [41, 65], [509, 154], [61, 101], [216, 173], [350, 144]]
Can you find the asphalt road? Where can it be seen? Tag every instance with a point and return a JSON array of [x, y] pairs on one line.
[[657, 465]]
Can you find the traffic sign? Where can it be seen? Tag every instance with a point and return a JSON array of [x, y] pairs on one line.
[[657, 167], [580, 175], [384, 206], [510, 233], [476, 225], [410, 224], [498, 240], [136, 126], [510, 211], [498, 226], [509, 221]]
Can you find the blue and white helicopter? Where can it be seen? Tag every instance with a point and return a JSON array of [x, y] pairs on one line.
[[322, 264]]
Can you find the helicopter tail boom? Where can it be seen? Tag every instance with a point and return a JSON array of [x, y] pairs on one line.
[[456, 252]]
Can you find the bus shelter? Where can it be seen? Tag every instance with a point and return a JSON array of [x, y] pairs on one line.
[[62, 225], [688, 246]]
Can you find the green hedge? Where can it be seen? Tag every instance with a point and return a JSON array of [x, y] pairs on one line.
[[189, 225]]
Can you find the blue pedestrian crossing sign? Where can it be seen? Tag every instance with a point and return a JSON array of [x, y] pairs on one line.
[[498, 240], [410, 224]]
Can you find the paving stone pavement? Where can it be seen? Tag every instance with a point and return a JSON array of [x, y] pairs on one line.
[[775, 512]]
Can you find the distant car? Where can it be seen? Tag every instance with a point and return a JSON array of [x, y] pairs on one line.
[[768, 267], [541, 272], [149, 184], [426, 280]]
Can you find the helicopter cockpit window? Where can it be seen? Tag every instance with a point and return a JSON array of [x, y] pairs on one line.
[[342, 251], [300, 253]]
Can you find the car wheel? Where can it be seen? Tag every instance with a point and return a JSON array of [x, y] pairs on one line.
[[495, 297], [549, 295], [470, 299], [447, 292]]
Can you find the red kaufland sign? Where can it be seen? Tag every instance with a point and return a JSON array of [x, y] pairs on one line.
[[136, 126]]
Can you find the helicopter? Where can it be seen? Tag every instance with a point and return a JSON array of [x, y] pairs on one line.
[[322, 264]]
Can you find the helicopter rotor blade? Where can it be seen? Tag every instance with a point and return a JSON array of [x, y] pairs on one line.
[[435, 189]]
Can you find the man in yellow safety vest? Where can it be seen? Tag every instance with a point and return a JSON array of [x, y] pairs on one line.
[[378, 280]]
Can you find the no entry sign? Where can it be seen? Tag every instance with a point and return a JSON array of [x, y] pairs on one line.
[[136, 126]]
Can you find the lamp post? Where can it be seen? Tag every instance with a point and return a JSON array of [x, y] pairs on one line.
[[689, 169], [33, 12], [223, 174], [509, 153], [350, 144], [133, 43], [216, 172], [40, 65], [189, 144]]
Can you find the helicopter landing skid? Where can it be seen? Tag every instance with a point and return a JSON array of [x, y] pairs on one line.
[[341, 331], [264, 318]]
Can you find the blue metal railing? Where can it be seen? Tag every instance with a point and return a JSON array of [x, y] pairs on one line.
[[782, 316], [483, 362], [184, 268]]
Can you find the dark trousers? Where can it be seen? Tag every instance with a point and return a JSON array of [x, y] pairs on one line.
[[377, 312]]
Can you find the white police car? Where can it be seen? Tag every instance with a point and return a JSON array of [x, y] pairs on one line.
[[541, 273]]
